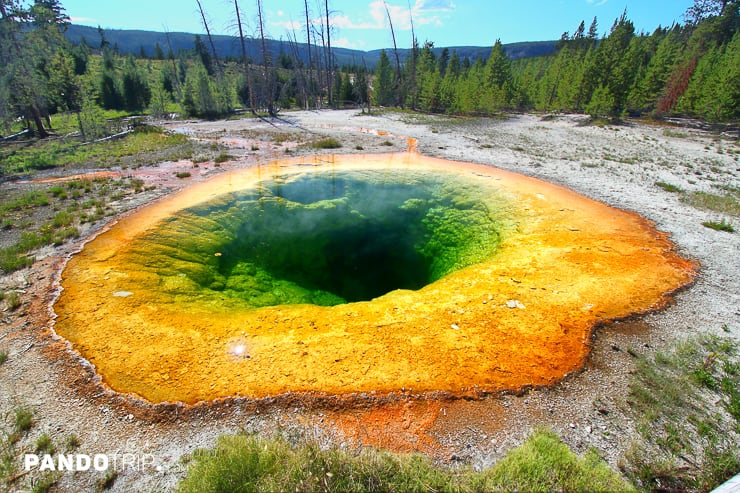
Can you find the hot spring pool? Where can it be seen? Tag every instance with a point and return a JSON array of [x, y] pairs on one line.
[[357, 274]]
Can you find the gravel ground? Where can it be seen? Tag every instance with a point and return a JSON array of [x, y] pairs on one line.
[[618, 165]]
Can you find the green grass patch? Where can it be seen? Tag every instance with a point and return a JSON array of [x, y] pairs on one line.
[[719, 226], [687, 407], [246, 463], [722, 203], [59, 210], [3, 356], [183, 174], [28, 200], [222, 158], [328, 143], [668, 187], [543, 464], [146, 145]]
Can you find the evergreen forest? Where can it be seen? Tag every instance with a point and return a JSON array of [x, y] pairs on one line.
[[689, 70]]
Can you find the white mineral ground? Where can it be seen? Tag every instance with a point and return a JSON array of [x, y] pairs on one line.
[[618, 165]]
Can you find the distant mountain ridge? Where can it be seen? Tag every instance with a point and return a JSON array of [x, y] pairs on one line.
[[132, 41]]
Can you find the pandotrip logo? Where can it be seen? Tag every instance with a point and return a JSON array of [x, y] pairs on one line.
[[96, 462]]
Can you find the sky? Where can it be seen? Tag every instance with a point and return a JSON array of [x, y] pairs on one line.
[[363, 24]]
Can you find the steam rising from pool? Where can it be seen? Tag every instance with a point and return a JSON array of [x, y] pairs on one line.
[[325, 238]]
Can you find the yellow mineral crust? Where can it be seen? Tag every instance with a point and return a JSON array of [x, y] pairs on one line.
[[524, 317]]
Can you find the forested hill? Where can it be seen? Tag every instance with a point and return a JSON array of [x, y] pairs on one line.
[[134, 41]]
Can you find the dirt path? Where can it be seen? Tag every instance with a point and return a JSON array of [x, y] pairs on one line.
[[616, 165]]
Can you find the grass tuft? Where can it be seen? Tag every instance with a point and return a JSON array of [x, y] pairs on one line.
[[719, 226], [22, 419], [667, 187], [45, 445], [328, 143], [106, 482], [72, 442], [222, 158]]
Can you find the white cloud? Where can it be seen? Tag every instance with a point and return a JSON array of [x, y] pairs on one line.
[[82, 20], [597, 3], [346, 43], [423, 12]]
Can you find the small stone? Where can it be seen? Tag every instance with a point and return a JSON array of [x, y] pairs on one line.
[[514, 304], [455, 327], [588, 430], [572, 426]]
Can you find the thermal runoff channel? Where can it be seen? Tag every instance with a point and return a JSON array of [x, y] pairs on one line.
[[362, 274]]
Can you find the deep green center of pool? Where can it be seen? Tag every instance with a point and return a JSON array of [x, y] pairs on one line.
[[327, 238]]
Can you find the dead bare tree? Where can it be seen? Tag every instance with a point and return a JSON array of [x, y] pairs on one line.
[[245, 60], [411, 83], [320, 73], [329, 61], [210, 38], [367, 93], [399, 84], [308, 47], [177, 85], [298, 68], [266, 60]]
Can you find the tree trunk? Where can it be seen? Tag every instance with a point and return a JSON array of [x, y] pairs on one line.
[[247, 72], [42, 133], [399, 99], [269, 87], [210, 38], [329, 61], [308, 45]]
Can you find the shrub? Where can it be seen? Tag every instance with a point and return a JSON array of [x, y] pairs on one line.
[[328, 143], [222, 158], [13, 300]]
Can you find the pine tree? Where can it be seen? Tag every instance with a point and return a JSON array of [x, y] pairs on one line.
[[201, 50], [135, 87], [158, 52], [383, 86], [498, 80], [593, 30], [30, 39]]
